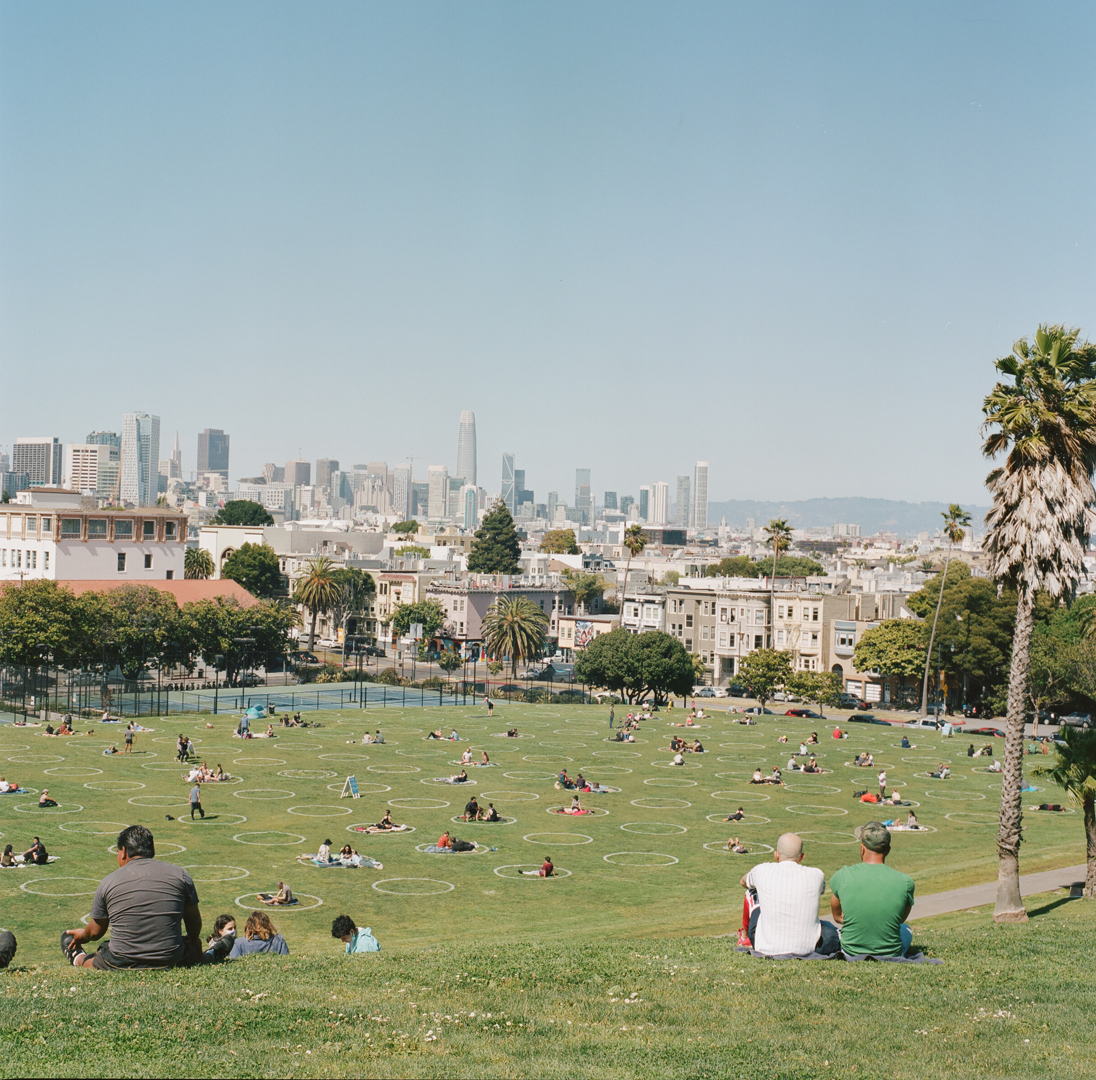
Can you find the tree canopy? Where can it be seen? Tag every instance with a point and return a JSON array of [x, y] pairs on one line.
[[560, 542], [428, 612], [895, 647], [414, 551], [514, 628], [198, 564], [257, 568], [404, 527], [242, 512], [652, 664], [496, 548], [764, 671], [786, 566]]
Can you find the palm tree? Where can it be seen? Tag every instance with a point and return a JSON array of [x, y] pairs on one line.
[[635, 540], [318, 591], [956, 519], [1044, 420], [779, 533], [1075, 772], [197, 564], [515, 627], [583, 587]]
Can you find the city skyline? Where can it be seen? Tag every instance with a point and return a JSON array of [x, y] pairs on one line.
[[640, 201]]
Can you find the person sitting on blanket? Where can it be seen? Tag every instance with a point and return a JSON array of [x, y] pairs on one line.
[[6, 787], [782, 739], [837, 733], [564, 780], [491, 814], [435, 734], [911, 821], [512, 733], [783, 908], [386, 822], [906, 743], [736, 847], [453, 736], [995, 767], [445, 841], [64, 729], [367, 739], [738, 815], [576, 805], [813, 739], [697, 747], [942, 772], [793, 765], [283, 896], [459, 778], [471, 810], [971, 751], [870, 901], [324, 853], [349, 857], [260, 935], [757, 777], [776, 778], [484, 759], [812, 765], [466, 757], [45, 800]]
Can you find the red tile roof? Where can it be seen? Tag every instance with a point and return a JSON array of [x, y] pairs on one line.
[[183, 589]]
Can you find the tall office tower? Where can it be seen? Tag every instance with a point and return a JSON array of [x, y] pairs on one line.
[[466, 448], [700, 495], [420, 499], [645, 503], [509, 489], [610, 500], [81, 471], [298, 473], [40, 459], [401, 491], [213, 452], [174, 464], [140, 458], [469, 498], [519, 481], [438, 507], [324, 468], [584, 501], [5, 461], [681, 516], [660, 497], [273, 474], [626, 503], [106, 438], [553, 502]]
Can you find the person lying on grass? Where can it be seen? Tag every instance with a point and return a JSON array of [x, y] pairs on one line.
[[943, 772], [281, 898], [512, 733], [358, 940], [142, 903], [781, 912], [349, 857], [736, 847], [738, 815], [260, 936], [870, 901]]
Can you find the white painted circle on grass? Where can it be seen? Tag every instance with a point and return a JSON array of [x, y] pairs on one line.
[[817, 789], [396, 769], [343, 756], [510, 796], [662, 804], [617, 753], [365, 787], [281, 908], [674, 765], [957, 796], [544, 759], [827, 837], [192, 867], [51, 811], [639, 858], [416, 888], [415, 803], [265, 794], [479, 849], [72, 770], [35, 759], [747, 819], [308, 774], [654, 828], [258, 761], [598, 767], [296, 838], [26, 886], [363, 827], [458, 820], [528, 774], [568, 839], [155, 801], [720, 846], [595, 811], [160, 845], [670, 782], [973, 817], [558, 872], [85, 828], [213, 819], [816, 810], [315, 810]]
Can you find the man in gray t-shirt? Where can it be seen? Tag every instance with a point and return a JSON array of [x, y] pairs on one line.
[[142, 904]]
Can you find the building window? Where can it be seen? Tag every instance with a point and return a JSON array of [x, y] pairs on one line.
[[47, 526], [703, 633], [97, 527], [148, 530], [121, 562], [814, 615], [148, 562], [757, 641], [32, 560], [123, 529], [780, 611], [688, 644], [170, 575], [722, 614], [723, 640], [780, 637], [845, 639], [169, 530], [759, 616], [70, 527], [689, 620]]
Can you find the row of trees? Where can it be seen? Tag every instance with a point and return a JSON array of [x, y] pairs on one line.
[[136, 628]]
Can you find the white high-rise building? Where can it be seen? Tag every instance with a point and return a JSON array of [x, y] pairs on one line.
[[401, 491], [437, 507], [140, 458], [40, 459], [681, 509], [660, 497], [82, 462], [700, 495], [466, 448], [509, 489]]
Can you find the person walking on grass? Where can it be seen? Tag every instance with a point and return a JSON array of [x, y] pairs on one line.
[[196, 800], [612, 716], [129, 740]]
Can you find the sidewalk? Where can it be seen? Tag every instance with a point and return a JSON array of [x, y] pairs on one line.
[[977, 895]]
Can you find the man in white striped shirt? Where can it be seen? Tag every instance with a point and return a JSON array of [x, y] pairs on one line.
[[785, 920]]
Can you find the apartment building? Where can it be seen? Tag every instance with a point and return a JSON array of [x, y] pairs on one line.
[[644, 608], [466, 603]]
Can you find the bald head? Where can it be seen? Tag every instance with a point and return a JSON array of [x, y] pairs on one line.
[[789, 847]]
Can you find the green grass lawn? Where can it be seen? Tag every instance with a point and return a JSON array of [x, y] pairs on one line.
[[545, 958]]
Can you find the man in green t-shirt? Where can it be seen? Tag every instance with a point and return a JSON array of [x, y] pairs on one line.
[[870, 902]]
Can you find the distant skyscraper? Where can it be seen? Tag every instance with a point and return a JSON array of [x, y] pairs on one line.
[[660, 495], [175, 462], [401, 491], [681, 515], [553, 502], [645, 503], [298, 473], [82, 466], [626, 503], [139, 472], [700, 495], [466, 448], [213, 452], [509, 488], [438, 506], [324, 468], [470, 503], [584, 502], [40, 459], [610, 500], [273, 474], [106, 438]]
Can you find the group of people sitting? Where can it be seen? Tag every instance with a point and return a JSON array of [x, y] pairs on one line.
[[451, 737], [864, 760], [347, 856], [623, 735], [677, 745], [64, 729], [452, 843], [9, 787], [982, 751], [578, 783], [376, 739], [774, 778], [466, 758], [474, 812], [811, 765], [293, 721], [184, 749], [943, 772], [203, 774], [35, 855]]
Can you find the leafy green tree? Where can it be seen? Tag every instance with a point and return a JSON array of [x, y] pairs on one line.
[[319, 590], [1053, 674], [496, 548], [610, 661], [786, 566], [40, 619], [428, 612], [242, 512], [1044, 422], [637, 666], [699, 667], [514, 627], [894, 648], [404, 527], [923, 602], [198, 564], [671, 577], [779, 534], [449, 660], [956, 520], [733, 566], [257, 568], [764, 671], [229, 636], [415, 551], [356, 590], [1075, 772], [635, 540], [583, 586], [560, 542], [819, 688]]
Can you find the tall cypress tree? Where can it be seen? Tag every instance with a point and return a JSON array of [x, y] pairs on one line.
[[496, 547]]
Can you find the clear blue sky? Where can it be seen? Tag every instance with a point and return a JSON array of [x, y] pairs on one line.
[[787, 238]]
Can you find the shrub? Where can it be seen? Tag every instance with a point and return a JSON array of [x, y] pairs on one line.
[[389, 677]]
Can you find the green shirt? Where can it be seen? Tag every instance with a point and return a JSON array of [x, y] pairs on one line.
[[873, 898]]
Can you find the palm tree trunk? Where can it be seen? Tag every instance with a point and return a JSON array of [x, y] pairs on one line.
[[1009, 906], [772, 606], [624, 590], [312, 631], [1089, 804], [932, 636]]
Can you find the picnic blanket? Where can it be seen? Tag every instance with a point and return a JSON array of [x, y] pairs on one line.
[[568, 810], [20, 862], [451, 780], [433, 849], [379, 832], [338, 864], [15, 791]]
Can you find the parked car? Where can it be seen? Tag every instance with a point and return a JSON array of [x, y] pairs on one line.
[[756, 710], [1081, 720], [734, 690], [533, 673], [786, 695], [990, 732], [926, 723], [374, 650], [306, 658], [720, 691], [804, 713], [847, 701], [327, 643], [509, 688], [704, 691], [868, 718], [978, 712]]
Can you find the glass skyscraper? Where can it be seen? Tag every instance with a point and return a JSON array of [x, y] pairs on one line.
[[466, 448]]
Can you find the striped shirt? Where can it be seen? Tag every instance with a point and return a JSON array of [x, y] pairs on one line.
[[788, 895]]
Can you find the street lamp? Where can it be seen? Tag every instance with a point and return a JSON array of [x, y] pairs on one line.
[[216, 680]]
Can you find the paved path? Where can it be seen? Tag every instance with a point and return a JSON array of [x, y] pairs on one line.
[[976, 895]]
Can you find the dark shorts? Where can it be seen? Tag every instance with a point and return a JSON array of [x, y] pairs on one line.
[[185, 956]]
